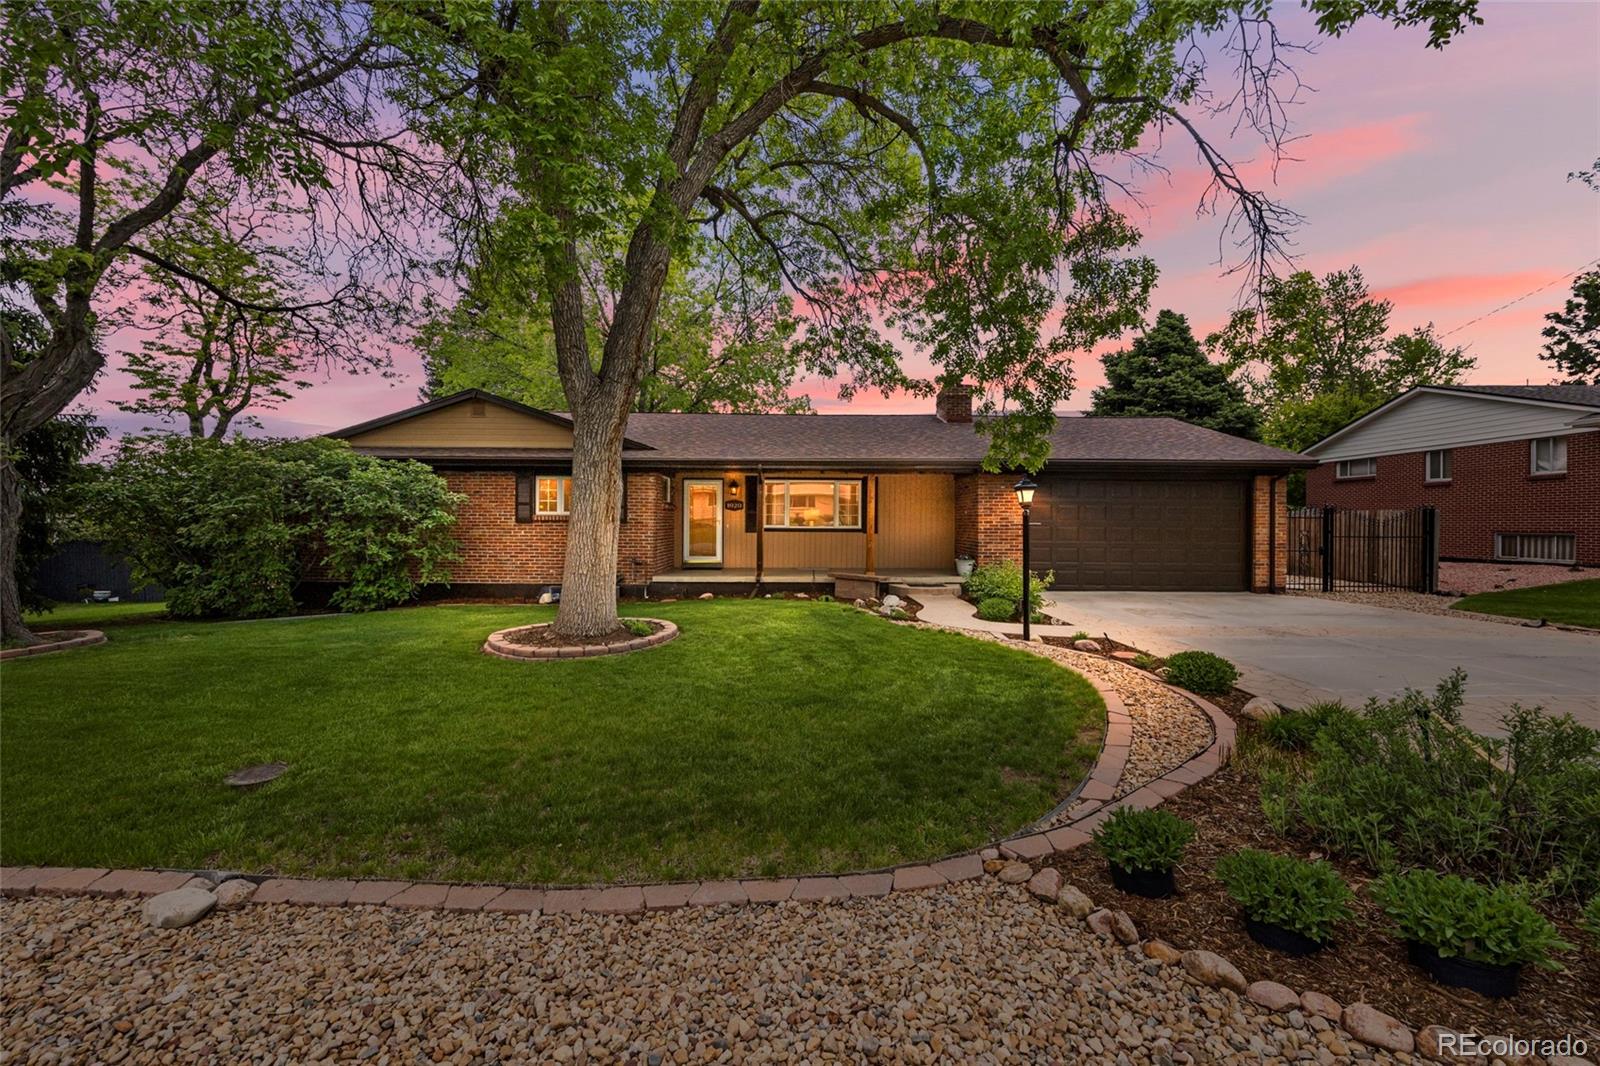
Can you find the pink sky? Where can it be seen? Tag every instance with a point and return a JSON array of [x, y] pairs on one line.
[[1441, 174]]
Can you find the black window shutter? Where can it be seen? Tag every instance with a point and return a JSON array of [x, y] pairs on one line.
[[524, 497], [752, 502]]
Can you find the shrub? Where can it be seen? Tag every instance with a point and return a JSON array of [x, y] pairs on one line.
[[637, 626], [1146, 661], [1003, 581], [231, 528], [995, 609], [1309, 898], [1297, 730], [1495, 925], [1402, 782], [1202, 672], [1591, 918], [1143, 841]]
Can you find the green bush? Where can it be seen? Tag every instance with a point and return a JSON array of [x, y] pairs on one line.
[[1202, 672], [1495, 925], [1309, 898], [231, 528], [1143, 841], [995, 609], [637, 626], [1003, 581], [1591, 918], [1146, 661], [1402, 782], [1297, 730]]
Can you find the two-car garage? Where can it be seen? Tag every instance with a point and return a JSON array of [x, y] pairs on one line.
[[1152, 534]]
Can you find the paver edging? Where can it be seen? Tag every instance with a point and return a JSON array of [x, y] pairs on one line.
[[498, 645], [625, 899], [84, 638]]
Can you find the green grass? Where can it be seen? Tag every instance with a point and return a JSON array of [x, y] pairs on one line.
[[1573, 603], [94, 615], [771, 737]]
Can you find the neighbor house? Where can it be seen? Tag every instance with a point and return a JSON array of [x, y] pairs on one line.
[[1513, 470], [725, 500]]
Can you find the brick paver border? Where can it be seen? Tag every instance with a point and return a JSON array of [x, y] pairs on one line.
[[498, 644], [1089, 809], [83, 639]]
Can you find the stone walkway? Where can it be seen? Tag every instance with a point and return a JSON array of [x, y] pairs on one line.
[[979, 972]]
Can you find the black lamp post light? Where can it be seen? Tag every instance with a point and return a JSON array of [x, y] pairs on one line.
[[1025, 490]]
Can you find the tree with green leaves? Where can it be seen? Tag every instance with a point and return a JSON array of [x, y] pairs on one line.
[[1318, 353], [115, 111], [1167, 375], [1572, 339], [709, 350], [937, 176]]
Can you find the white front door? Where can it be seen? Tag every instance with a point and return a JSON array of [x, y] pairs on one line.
[[702, 521]]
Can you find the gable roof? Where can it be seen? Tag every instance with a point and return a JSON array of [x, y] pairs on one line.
[[818, 441], [1578, 398]]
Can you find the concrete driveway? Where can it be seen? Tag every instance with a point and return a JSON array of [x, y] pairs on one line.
[[1296, 649]]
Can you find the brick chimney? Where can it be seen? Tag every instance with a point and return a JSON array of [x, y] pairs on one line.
[[954, 403]]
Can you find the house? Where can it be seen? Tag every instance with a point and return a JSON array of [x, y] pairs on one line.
[[725, 500], [1513, 470]]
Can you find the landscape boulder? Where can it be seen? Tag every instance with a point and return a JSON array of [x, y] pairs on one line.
[[1086, 645], [1259, 709], [1212, 969], [1046, 884], [1376, 1029], [178, 908], [1074, 902]]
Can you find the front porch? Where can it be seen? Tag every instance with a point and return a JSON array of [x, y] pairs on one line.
[[742, 580]]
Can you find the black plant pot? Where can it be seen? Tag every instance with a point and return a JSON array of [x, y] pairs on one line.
[[1278, 938], [1495, 980], [1151, 884]]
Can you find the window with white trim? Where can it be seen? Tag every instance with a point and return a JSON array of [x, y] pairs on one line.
[[1548, 455], [811, 504], [1536, 547], [552, 495], [1438, 465], [1355, 468]]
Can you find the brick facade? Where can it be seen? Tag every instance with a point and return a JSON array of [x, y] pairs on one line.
[[1265, 527], [496, 549], [988, 518], [1490, 491]]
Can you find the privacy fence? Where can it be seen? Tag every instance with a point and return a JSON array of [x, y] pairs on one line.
[[1336, 550]]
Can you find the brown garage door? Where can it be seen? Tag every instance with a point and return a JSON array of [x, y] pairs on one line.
[[1136, 534]]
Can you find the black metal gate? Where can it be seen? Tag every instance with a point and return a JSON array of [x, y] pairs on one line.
[[1336, 550]]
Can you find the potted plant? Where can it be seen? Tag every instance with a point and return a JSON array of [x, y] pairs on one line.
[[1465, 934], [1141, 848], [1289, 905]]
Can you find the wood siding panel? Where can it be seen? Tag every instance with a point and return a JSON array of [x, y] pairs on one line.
[[1431, 420], [916, 522], [457, 426]]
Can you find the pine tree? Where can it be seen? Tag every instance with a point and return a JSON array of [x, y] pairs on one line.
[[1166, 374]]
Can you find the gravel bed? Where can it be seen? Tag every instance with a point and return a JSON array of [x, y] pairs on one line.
[[976, 972]]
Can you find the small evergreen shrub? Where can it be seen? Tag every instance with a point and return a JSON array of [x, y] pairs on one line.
[[995, 609], [1201, 672], [1143, 841], [637, 626], [1460, 918], [1146, 661], [1003, 581], [1309, 898]]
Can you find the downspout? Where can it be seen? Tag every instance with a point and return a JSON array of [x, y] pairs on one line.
[[1272, 533]]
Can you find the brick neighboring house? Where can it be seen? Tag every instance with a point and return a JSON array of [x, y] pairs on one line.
[[728, 501], [1513, 470]]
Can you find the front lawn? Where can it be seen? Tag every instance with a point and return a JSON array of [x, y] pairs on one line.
[[770, 737], [1573, 603], [94, 615]]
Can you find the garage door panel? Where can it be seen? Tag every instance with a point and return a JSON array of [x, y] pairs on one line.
[[1141, 534]]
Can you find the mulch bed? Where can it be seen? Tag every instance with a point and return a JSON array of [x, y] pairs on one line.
[[546, 637], [1367, 962]]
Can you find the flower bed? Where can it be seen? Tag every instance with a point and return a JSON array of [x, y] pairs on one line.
[[542, 642]]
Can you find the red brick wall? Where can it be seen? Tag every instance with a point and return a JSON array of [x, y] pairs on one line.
[[1490, 491], [497, 549], [1264, 499], [988, 519]]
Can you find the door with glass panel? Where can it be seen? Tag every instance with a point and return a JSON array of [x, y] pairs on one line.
[[702, 521]]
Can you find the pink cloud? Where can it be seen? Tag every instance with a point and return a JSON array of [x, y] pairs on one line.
[[1457, 290]]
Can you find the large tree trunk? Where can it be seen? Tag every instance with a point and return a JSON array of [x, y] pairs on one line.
[[589, 574], [12, 630]]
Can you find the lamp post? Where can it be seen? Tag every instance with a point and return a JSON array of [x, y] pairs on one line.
[[1025, 490]]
